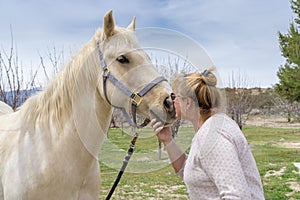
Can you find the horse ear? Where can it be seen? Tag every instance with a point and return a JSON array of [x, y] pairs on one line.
[[108, 25], [131, 26]]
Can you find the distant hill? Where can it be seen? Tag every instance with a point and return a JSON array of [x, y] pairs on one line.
[[10, 96]]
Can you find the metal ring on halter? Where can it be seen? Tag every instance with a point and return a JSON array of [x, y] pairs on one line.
[[106, 71]]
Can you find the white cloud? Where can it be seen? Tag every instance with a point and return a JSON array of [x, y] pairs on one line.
[[237, 34]]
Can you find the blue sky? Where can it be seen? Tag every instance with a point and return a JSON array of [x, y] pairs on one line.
[[240, 36]]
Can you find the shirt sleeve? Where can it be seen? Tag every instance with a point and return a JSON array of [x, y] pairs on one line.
[[223, 166]]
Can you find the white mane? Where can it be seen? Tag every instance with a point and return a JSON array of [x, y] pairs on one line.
[[55, 103]]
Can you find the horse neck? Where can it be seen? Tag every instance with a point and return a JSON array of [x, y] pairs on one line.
[[91, 113], [92, 122]]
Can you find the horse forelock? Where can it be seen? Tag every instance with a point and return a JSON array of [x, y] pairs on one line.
[[123, 40]]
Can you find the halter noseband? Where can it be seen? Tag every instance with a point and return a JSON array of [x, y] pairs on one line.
[[136, 98]]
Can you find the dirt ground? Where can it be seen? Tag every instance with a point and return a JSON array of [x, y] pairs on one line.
[[269, 121], [277, 122]]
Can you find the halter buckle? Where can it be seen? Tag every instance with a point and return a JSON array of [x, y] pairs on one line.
[[136, 99]]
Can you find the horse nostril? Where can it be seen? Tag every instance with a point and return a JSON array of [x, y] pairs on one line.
[[168, 104]]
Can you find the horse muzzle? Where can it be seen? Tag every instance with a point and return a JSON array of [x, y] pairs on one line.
[[166, 113]]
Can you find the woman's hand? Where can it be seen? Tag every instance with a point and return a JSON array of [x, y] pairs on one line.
[[164, 134]]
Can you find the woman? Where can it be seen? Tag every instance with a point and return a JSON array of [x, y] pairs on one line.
[[220, 164]]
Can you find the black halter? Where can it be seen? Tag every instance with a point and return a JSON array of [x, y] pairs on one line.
[[136, 98]]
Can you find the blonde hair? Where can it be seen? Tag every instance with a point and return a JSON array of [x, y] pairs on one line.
[[201, 87]]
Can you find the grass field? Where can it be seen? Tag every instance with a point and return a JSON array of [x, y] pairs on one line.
[[148, 177]]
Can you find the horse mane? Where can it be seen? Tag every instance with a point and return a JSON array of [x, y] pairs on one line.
[[54, 104]]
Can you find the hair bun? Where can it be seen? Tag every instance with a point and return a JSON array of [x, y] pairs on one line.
[[208, 77]]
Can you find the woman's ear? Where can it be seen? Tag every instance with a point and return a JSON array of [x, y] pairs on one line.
[[190, 103]]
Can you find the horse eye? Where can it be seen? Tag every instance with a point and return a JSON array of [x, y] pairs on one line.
[[122, 59]]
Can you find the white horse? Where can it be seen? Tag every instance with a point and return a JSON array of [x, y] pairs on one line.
[[49, 147], [4, 108]]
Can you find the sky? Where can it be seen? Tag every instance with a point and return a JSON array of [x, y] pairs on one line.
[[239, 36]]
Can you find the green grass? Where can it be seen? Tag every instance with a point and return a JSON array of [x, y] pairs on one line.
[[271, 157], [147, 177]]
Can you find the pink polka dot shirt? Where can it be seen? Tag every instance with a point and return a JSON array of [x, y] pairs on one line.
[[220, 164]]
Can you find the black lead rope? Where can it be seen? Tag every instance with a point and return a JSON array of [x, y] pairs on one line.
[[125, 162]]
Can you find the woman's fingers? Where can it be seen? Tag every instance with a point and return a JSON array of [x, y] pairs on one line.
[[163, 133], [157, 130], [152, 122], [157, 125]]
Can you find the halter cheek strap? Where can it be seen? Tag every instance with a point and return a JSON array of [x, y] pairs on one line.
[[135, 98]]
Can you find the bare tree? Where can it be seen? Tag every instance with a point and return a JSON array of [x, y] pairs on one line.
[[171, 65], [12, 84], [14, 89], [288, 109], [52, 62], [240, 100]]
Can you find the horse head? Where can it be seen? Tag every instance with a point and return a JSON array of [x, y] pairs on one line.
[[129, 78]]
